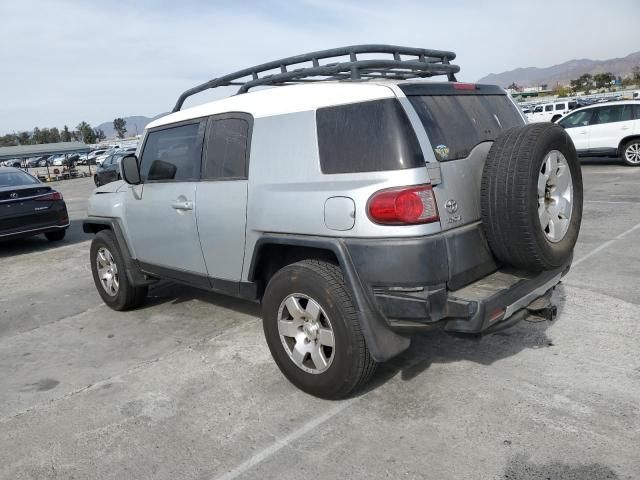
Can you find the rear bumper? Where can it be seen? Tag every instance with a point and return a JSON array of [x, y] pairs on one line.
[[56, 218], [449, 281]]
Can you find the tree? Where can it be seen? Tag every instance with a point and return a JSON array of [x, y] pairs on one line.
[[65, 136], [561, 91], [515, 87], [24, 138], [54, 135], [603, 79], [86, 132], [635, 73], [99, 134], [120, 126]]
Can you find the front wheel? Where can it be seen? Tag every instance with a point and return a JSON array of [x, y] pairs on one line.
[[631, 153], [109, 274], [313, 332]]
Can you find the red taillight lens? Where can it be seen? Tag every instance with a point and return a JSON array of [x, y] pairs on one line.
[[403, 206], [464, 86], [51, 197]]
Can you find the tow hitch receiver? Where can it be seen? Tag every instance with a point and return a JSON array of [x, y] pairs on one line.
[[548, 313]]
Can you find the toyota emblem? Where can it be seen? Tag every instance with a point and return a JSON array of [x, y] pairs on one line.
[[451, 206]]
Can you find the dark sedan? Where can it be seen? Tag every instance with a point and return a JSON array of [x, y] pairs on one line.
[[109, 170], [30, 207]]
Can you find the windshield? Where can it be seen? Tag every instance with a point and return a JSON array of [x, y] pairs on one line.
[[455, 124], [15, 178]]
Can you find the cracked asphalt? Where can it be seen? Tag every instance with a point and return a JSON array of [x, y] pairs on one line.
[[185, 387]]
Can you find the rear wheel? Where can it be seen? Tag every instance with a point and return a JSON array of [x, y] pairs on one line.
[[313, 332], [109, 274], [56, 235], [631, 153]]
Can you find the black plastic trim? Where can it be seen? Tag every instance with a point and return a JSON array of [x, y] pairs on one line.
[[381, 341]]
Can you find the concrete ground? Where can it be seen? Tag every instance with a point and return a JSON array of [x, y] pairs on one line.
[[185, 387]]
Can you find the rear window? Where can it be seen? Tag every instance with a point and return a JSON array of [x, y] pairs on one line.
[[366, 137], [455, 124], [15, 178]]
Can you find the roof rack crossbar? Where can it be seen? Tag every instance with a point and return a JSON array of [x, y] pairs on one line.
[[427, 63]]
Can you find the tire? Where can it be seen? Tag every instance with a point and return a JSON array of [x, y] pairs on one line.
[[122, 295], [631, 153], [349, 364], [510, 197], [56, 235], [96, 181]]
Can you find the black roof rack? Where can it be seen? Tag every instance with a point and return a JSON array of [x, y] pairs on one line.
[[426, 63]]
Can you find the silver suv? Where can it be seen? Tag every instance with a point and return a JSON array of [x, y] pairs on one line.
[[357, 202]]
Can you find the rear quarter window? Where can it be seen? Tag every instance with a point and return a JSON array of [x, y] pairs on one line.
[[366, 137]]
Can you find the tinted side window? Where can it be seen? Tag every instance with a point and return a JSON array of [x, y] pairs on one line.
[[636, 109], [366, 137], [609, 114], [627, 113], [560, 106], [226, 148], [577, 119], [172, 154], [548, 108]]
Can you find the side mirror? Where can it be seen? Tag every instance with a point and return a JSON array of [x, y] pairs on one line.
[[129, 170]]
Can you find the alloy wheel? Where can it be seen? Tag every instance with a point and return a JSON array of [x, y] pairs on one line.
[[306, 333], [555, 196]]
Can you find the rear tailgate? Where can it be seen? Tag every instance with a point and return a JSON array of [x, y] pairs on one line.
[[462, 121]]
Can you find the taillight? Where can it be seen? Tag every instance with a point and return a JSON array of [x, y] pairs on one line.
[[51, 197], [464, 86], [403, 206]]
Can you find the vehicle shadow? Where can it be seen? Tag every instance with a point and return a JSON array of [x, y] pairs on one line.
[[426, 349], [38, 243], [520, 468], [614, 161]]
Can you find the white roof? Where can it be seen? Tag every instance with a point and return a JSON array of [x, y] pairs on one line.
[[285, 99], [606, 104]]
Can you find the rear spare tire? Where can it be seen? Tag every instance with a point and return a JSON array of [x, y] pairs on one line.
[[531, 197]]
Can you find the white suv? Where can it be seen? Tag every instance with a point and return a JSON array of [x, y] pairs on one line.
[[551, 112], [609, 130]]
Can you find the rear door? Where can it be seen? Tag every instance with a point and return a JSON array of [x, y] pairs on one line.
[[609, 125], [461, 125], [222, 197]]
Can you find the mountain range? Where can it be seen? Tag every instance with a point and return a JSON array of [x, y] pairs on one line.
[[564, 72]]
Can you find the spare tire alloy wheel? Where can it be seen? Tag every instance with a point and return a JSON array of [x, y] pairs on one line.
[[555, 196], [306, 333]]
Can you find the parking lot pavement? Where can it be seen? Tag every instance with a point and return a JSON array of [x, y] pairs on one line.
[[185, 387]]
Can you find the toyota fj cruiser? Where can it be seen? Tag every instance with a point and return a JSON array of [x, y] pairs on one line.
[[356, 201]]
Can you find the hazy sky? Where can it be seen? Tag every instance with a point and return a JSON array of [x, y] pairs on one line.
[[63, 61]]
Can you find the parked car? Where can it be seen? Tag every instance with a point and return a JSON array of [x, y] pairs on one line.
[[550, 112], [59, 160], [109, 170], [104, 155], [31, 162], [14, 162], [29, 207], [91, 156], [608, 130], [355, 212]]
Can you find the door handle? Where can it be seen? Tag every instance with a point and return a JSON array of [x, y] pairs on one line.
[[182, 205], [624, 128]]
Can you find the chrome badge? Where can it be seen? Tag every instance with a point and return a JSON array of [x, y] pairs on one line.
[[13, 195], [451, 206]]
